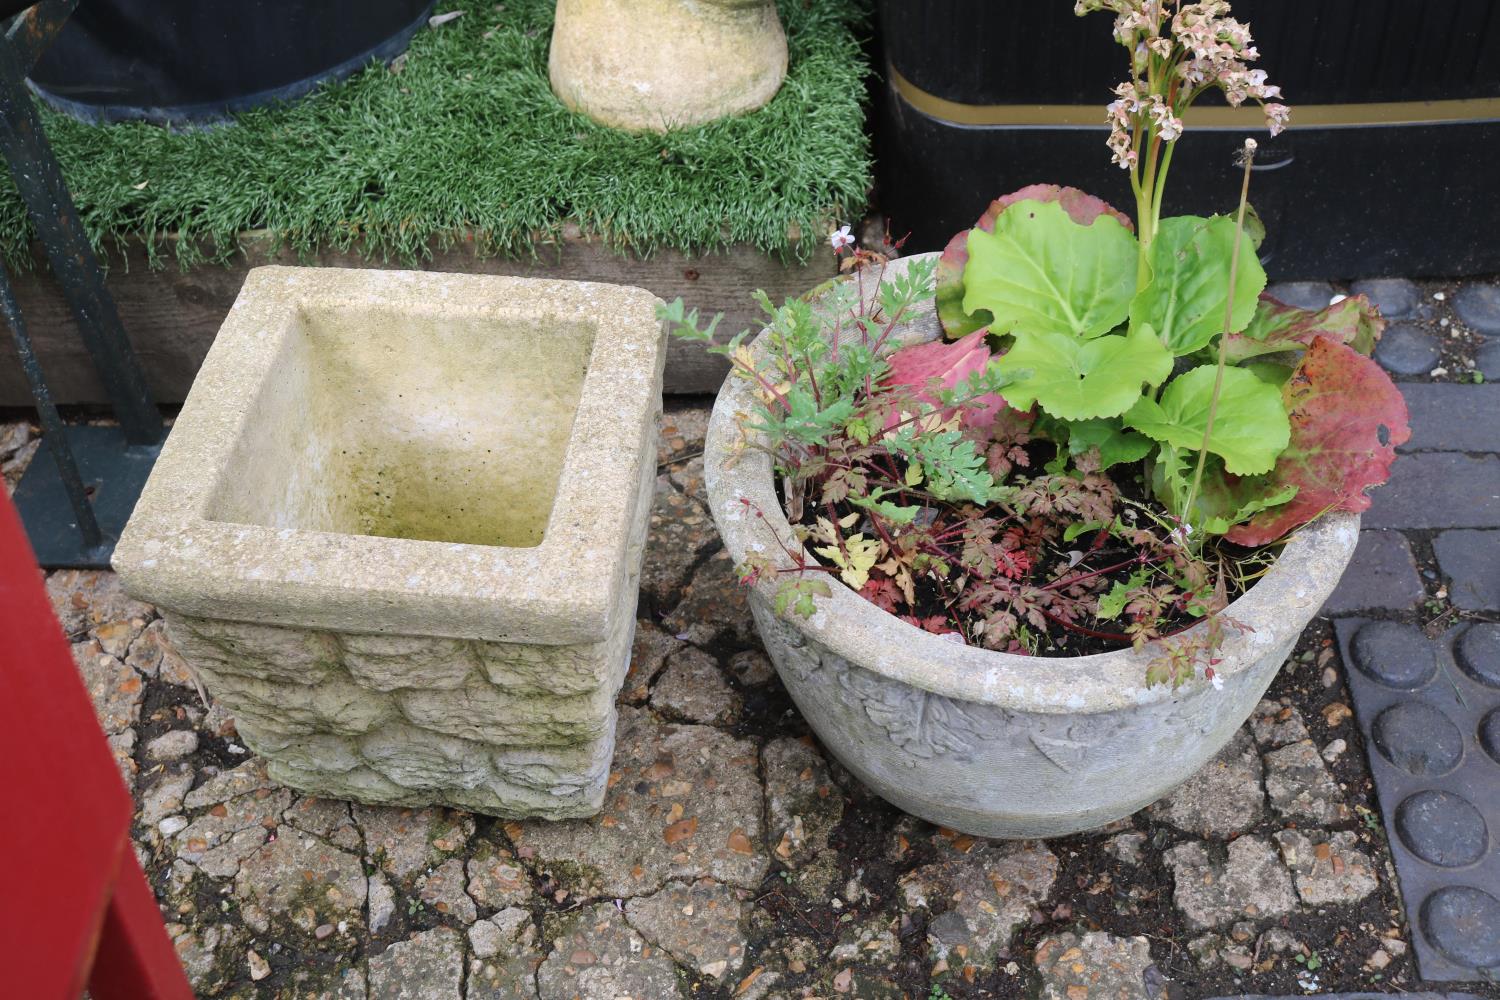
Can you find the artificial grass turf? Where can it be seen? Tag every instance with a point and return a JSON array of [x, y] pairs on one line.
[[468, 141]]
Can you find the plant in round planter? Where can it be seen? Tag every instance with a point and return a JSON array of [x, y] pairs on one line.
[[1031, 525]]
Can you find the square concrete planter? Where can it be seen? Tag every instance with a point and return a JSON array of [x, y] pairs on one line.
[[398, 525]]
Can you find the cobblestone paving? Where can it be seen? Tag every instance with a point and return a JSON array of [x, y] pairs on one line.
[[734, 859]]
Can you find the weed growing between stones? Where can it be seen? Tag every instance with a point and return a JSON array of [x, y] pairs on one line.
[[1120, 429]]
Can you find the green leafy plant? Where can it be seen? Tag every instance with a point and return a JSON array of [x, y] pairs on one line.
[[1120, 425]]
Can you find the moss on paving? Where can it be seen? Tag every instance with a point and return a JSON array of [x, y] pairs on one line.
[[467, 140]]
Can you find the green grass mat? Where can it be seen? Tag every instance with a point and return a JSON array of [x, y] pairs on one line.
[[467, 139]]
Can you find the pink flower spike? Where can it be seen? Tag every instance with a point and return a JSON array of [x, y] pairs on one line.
[[949, 365]]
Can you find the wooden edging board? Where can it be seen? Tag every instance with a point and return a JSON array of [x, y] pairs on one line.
[[172, 315]]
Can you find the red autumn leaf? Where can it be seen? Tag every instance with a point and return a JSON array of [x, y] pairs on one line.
[[936, 624], [925, 368], [1280, 327], [881, 591], [1347, 420], [1081, 208]]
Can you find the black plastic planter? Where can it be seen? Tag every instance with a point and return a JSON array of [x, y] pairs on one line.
[[191, 61], [1388, 169]]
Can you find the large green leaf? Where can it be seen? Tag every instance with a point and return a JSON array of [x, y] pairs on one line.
[[1081, 208], [1250, 424], [1079, 379], [1186, 297], [1039, 271]]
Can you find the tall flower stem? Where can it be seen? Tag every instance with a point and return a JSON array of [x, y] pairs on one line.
[[1234, 268]]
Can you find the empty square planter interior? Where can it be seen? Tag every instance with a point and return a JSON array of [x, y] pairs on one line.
[[409, 424]]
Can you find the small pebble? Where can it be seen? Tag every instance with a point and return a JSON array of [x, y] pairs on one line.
[[173, 745], [1334, 750], [259, 967], [235, 748], [322, 931], [172, 824], [1439, 296], [1379, 960], [1330, 677]]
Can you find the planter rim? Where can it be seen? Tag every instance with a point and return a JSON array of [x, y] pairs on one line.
[[876, 640], [566, 589]]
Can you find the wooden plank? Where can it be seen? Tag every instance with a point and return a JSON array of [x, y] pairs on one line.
[[172, 316]]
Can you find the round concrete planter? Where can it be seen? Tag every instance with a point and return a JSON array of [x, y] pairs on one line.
[[654, 65], [989, 743]]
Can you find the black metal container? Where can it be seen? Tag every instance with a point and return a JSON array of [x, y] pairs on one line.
[[187, 61], [1390, 167]]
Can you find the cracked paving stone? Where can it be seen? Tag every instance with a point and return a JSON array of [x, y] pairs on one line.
[[426, 966], [328, 818], [248, 777], [713, 605], [220, 839], [505, 957], [648, 651], [405, 841], [684, 802], [350, 985], [198, 951], [443, 890], [700, 925], [303, 878], [1250, 883], [693, 689], [164, 797], [598, 956], [1096, 966], [804, 806], [382, 902], [115, 689], [1224, 798], [1328, 868], [496, 878], [1300, 787], [153, 654], [115, 637], [1275, 725], [680, 532], [85, 598], [978, 895]]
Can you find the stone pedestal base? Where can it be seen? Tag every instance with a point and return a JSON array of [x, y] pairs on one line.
[[660, 64]]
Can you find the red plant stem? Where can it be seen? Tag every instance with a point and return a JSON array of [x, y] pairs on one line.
[[1137, 560], [1083, 629]]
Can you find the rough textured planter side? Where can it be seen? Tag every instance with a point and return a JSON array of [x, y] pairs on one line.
[[659, 64], [398, 525], [990, 743]]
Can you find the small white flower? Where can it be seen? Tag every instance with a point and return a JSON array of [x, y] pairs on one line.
[[1214, 678], [842, 238]]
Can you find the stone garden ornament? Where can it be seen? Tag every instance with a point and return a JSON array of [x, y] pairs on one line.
[[1029, 526], [661, 64], [398, 526]]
